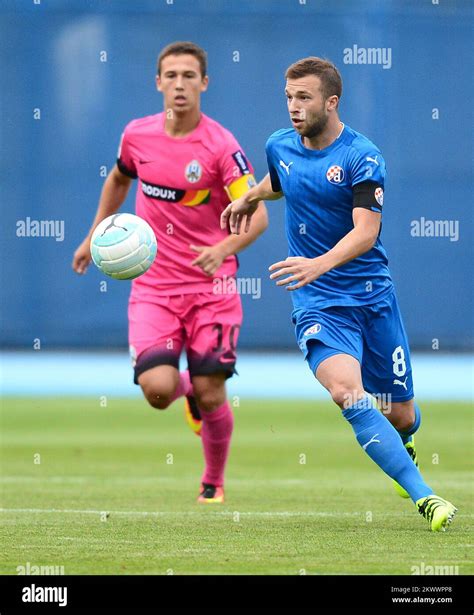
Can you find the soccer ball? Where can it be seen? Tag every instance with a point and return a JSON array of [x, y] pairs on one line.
[[123, 246]]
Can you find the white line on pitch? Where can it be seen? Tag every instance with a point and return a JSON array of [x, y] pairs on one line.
[[208, 512], [181, 513], [153, 479]]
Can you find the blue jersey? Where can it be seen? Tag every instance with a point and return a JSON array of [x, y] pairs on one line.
[[318, 188]]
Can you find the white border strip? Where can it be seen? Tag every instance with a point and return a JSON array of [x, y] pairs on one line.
[[170, 513]]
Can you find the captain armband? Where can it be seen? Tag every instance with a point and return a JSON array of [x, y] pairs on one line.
[[240, 186], [368, 195]]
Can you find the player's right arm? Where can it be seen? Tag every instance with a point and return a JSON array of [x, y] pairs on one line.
[[247, 205], [114, 193]]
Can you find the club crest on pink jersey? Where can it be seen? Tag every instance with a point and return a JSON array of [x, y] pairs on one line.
[[193, 171]]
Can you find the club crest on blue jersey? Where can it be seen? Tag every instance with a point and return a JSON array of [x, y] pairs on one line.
[[379, 195], [335, 174], [193, 171], [313, 329]]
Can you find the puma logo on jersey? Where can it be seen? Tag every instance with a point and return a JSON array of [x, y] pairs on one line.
[[372, 439], [373, 160], [286, 166], [403, 384]]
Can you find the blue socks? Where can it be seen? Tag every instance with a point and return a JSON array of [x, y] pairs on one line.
[[381, 441], [406, 435]]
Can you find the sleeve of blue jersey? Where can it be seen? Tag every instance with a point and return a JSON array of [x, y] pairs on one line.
[[275, 180], [367, 164]]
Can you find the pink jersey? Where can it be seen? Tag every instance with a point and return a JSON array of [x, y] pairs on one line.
[[181, 193]]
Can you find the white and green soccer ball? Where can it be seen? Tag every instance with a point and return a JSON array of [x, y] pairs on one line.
[[123, 246]]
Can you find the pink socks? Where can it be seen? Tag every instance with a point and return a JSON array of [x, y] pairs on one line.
[[216, 434]]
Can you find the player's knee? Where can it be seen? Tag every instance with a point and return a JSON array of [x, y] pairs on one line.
[[158, 388], [209, 400], [159, 398], [405, 423], [402, 415], [345, 395]]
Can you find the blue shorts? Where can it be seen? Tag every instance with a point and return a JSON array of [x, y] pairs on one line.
[[373, 334]]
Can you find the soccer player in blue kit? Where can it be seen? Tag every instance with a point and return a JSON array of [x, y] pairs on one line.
[[347, 320]]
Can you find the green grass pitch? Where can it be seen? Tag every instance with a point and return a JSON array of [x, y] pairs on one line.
[[301, 496]]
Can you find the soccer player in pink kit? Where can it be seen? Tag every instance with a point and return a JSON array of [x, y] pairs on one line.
[[188, 168]]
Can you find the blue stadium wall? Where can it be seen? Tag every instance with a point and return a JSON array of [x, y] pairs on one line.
[[417, 108]]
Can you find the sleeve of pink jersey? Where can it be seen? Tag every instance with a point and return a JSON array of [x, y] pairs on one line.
[[233, 163], [125, 161]]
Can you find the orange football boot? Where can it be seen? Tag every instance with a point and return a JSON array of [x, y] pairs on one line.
[[192, 414], [210, 494]]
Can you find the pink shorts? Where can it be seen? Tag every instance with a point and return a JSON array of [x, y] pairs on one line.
[[206, 325]]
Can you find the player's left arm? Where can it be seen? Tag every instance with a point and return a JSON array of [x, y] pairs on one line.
[[357, 242]]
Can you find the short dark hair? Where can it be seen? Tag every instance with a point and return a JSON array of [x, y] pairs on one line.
[[331, 82], [181, 48]]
